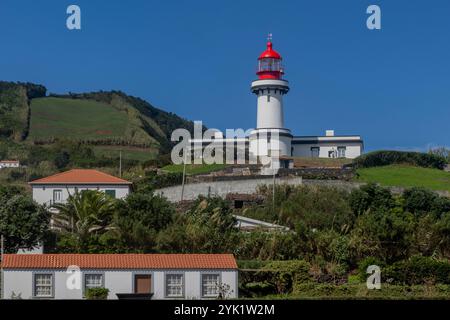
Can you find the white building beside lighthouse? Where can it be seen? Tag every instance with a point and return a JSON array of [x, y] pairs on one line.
[[271, 141]]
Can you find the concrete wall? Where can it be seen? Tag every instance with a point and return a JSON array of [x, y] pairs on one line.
[[222, 188], [117, 281], [43, 194]]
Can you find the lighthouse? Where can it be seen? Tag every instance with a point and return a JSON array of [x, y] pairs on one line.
[[270, 138]]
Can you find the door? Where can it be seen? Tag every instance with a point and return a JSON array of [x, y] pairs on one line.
[[142, 283]]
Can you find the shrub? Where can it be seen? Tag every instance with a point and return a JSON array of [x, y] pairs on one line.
[[370, 196], [384, 158], [97, 293], [420, 201], [257, 289], [365, 263], [418, 270], [287, 275]]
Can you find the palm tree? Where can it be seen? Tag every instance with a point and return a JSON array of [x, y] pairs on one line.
[[85, 213]]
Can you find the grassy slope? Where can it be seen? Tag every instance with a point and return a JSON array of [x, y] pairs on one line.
[[131, 153], [406, 176], [82, 119]]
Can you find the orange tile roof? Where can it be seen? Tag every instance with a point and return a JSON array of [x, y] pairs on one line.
[[81, 176], [119, 261]]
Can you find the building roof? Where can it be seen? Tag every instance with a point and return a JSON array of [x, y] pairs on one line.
[[9, 161], [81, 176], [258, 223], [269, 53], [119, 261]]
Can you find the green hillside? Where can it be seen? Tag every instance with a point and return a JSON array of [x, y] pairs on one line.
[[112, 118], [77, 119], [406, 176]]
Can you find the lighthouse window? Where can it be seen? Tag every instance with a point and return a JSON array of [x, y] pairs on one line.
[[268, 98]]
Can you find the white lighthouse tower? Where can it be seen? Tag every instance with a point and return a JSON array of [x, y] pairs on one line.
[[270, 138]]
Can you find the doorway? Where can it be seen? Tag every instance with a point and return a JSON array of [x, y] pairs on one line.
[[142, 283]]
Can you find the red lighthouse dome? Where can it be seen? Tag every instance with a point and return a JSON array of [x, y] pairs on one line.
[[269, 63]]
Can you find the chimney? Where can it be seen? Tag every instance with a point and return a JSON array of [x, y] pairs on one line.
[[329, 133]]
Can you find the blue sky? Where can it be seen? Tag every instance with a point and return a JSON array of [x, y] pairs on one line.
[[198, 58]]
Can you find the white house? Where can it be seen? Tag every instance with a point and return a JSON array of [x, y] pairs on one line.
[[9, 164], [58, 187], [161, 276]]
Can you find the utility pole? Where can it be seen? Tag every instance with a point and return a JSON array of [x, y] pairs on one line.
[[184, 174], [2, 250], [273, 192], [120, 163]]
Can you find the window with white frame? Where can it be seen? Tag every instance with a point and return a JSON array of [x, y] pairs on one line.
[[174, 285], [43, 285], [57, 196], [210, 284], [92, 280]]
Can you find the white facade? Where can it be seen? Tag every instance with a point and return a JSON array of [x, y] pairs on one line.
[[328, 146], [23, 282], [9, 164], [48, 194]]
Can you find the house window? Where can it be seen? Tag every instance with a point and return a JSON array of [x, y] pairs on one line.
[[57, 196], [341, 152], [111, 193], [315, 152], [93, 281], [174, 285], [43, 285], [210, 285]]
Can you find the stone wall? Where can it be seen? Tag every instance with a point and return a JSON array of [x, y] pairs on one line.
[[222, 188]]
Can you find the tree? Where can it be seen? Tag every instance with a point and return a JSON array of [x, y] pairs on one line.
[[23, 222], [85, 213], [62, 159], [371, 197], [140, 217]]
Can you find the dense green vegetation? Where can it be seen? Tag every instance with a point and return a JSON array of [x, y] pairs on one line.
[[23, 223], [406, 176], [384, 158], [334, 236]]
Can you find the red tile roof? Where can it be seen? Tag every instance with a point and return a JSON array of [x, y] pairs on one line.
[[81, 176], [119, 261]]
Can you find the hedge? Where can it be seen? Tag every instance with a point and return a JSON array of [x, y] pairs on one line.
[[97, 293], [417, 270], [384, 158]]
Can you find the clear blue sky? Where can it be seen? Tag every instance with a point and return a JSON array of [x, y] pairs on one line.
[[197, 59]]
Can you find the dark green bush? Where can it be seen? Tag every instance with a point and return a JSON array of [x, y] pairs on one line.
[[287, 275], [97, 293], [417, 270], [384, 158], [365, 263], [421, 200], [257, 289]]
